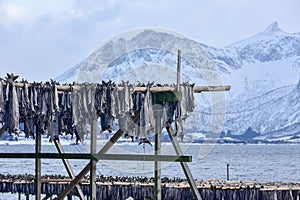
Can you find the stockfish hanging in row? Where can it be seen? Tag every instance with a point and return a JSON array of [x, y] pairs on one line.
[[71, 111]]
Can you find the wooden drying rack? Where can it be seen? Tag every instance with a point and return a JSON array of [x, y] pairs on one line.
[[94, 156]]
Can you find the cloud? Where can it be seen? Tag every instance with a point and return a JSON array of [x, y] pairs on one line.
[[76, 13], [58, 34], [11, 14]]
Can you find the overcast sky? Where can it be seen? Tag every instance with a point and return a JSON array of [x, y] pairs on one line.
[[40, 40]]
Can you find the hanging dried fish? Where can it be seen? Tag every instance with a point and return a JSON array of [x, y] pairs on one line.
[[30, 112], [22, 103], [148, 112], [91, 89], [13, 105], [29, 127], [72, 111], [55, 97], [105, 110], [75, 106], [2, 103], [26, 93], [53, 128], [31, 99], [124, 98], [190, 101], [35, 95], [138, 99], [40, 108]]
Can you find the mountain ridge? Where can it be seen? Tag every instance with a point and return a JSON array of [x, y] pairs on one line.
[[263, 70]]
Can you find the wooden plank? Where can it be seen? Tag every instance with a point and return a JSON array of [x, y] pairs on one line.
[[56, 180], [38, 170], [46, 155], [98, 157], [215, 88], [68, 168], [157, 147], [184, 165], [178, 69], [143, 157], [197, 89], [93, 163]]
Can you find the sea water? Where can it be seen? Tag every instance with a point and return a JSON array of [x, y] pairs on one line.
[[261, 162], [265, 163]]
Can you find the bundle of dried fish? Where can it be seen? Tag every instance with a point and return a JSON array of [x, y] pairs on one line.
[[13, 105], [2, 103]]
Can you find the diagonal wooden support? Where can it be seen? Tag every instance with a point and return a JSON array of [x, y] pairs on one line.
[[68, 168], [184, 165], [3, 129], [47, 196], [87, 168]]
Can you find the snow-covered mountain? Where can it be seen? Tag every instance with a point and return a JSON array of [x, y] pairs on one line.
[[269, 45], [263, 70], [142, 51]]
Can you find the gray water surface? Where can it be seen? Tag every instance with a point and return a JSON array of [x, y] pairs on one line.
[[267, 163]]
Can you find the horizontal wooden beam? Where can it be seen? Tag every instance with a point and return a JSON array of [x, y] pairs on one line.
[[215, 88], [130, 157], [197, 89], [47, 155], [143, 157]]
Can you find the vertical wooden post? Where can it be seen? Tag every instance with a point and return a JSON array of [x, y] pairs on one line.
[[69, 197], [93, 162], [38, 170], [27, 196], [19, 196], [227, 172], [87, 168], [178, 69], [157, 164]]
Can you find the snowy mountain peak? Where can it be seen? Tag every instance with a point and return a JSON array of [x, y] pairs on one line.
[[263, 71], [269, 45], [272, 29]]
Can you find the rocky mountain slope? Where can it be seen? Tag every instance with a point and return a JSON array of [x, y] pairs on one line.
[[263, 70]]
